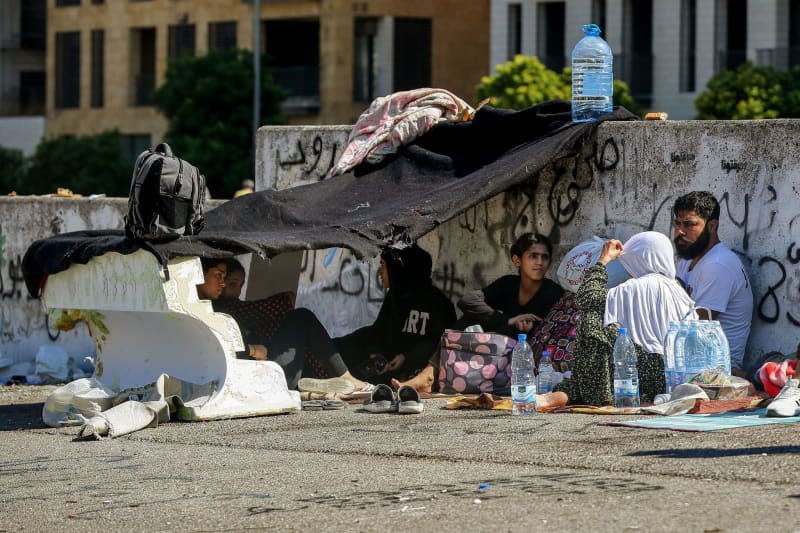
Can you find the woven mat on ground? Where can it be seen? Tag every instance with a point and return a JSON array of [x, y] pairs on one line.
[[714, 422]]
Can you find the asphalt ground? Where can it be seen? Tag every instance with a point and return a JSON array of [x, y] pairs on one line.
[[356, 471]]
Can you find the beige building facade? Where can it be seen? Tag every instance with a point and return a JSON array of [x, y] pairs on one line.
[[105, 57]]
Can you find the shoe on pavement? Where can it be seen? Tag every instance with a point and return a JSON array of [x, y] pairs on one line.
[[408, 400], [338, 385], [382, 400], [360, 394], [323, 405], [787, 402]]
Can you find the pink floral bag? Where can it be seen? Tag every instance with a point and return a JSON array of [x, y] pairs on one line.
[[471, 363]]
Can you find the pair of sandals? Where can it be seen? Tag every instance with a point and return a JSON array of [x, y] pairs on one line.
[[384, 400]]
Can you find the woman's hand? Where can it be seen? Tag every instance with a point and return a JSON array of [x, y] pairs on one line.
[[257, 351], [394, 363], [612, 248], [524, 322]]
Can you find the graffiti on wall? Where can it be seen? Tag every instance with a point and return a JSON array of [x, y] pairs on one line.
[[300, 159], [759, 219]]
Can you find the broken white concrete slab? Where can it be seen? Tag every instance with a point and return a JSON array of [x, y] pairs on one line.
[[145, 325]]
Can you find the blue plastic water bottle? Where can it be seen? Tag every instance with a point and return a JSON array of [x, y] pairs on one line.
[[592, 76]]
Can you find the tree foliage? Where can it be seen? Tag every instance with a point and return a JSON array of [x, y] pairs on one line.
[[12, 169], [520, 83], [86, 164], [208, 101], [750, 92], [525, 81]]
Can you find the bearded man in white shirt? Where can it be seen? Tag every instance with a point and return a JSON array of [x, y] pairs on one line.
[[713, 275]]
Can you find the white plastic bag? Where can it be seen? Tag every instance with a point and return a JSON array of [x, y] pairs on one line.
[[73, 403], [577, 261]]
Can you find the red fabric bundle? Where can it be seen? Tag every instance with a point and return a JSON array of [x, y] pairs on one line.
[[774, 375]]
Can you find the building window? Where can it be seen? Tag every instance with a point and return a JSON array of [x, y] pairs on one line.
[[412, 53], [688, 45], [98, 68], [599, 14], [134, 144], [66, 3], [794, 33], [636, 60], [31, 92], [551, 20], [143, 66], [221, 35], [365, 31], [181, 40], [68, 69], [514, 42], [293, 49], [33, 14], [731, 34]]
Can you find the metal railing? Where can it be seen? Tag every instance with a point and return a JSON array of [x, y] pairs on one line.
[[781, 58]]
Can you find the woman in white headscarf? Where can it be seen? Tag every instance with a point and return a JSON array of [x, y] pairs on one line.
[[645, 304]]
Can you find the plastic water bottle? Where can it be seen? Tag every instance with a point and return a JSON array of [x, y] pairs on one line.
[[695, 349], [592, 76], [626, 375], [718, 357], [678, 352], [724, 356], [523, 379], [670, 370], [713, 345], [546, 378]]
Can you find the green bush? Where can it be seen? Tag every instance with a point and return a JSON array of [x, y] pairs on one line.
[[12, 169], [525, 81], [208, 101], [86, 164], [750, 92], [520, 83]]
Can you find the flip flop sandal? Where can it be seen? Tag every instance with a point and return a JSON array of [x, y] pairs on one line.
[[381, 400], [408, 400], [362, 393], [332, 385], [323, 405]]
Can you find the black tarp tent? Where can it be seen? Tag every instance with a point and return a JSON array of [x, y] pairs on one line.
[[443, 173]]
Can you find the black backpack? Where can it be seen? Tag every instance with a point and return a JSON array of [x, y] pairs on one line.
[[166, 198]]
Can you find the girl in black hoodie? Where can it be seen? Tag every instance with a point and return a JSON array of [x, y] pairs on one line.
[[409, 325]]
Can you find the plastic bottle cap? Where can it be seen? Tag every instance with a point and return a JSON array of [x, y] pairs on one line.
[[591, 29], [522, 337], [623, 331], [546, 353]]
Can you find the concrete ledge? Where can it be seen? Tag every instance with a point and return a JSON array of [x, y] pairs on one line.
[[145, 326]]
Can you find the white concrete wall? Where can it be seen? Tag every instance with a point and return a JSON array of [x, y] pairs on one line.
[[23, 324], [625, 183]]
